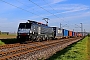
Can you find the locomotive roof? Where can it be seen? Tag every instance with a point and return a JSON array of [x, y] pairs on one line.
[[37, 23]]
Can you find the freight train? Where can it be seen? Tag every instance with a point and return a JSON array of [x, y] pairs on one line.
[[36, 31]]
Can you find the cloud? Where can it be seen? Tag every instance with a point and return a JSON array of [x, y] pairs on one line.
[[75, 10], [49, 2], [56, 1], [71, 12], [78, 17], [82, 15], [68, 8]]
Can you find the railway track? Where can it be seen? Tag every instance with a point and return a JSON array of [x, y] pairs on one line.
[[33, 51]]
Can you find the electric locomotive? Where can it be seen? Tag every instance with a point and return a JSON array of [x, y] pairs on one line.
[[34, 31]]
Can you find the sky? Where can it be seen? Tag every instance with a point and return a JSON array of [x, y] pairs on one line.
[[70, 13]]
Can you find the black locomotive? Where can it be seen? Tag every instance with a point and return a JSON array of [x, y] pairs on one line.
[[34, 31]]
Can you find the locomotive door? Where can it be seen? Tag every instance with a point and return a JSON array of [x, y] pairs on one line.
[[39, 30]]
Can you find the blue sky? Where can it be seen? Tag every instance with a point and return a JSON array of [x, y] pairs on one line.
[[70, 12]]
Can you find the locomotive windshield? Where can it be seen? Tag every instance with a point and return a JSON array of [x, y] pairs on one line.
[[25, 25]]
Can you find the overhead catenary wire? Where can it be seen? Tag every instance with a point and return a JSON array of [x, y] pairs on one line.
[[53, 9], [27, 10], [50, 6], [20, 8], [25, 5], [43, 8]]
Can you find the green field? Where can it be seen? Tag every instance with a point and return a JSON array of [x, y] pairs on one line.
[[76, 51], [5, 36], [88, 48], [8, 39]]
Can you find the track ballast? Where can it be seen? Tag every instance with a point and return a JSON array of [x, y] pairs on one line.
[[34, 50]]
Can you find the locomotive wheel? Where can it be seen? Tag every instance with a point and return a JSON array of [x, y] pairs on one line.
[[30, 38], [38, 39], [43, 39], [46, 39]]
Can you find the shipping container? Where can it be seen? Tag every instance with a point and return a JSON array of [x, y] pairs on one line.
[[76, 34], [58, 33], [70, 33], [79, 34], [73, 34], [65, 33], [85, 34]]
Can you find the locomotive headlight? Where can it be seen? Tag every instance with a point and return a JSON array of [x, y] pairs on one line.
[[30, 31], [27, 34]]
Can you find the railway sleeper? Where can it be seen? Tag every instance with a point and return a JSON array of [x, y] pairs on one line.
[[49, 46], [35, 49], [11, 45]]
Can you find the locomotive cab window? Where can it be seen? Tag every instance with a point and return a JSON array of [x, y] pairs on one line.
[[25, 25]]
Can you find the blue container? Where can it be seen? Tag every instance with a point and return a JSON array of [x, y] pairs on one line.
[[65, 32], [73, 33]]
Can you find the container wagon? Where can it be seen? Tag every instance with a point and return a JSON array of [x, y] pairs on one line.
[[65, 33], [70, 33], [73, 34], [79, 34], [58, 33]]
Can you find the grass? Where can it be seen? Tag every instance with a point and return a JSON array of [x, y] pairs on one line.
[[1, 43], [8, 39], [76, 51], [5, 36], [88, 48]]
